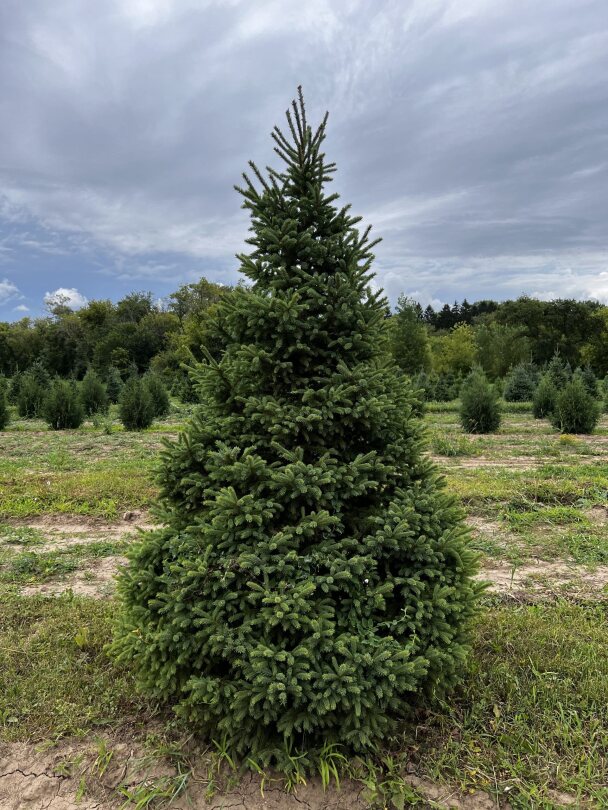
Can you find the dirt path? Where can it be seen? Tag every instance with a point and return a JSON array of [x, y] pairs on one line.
[[74, 776]]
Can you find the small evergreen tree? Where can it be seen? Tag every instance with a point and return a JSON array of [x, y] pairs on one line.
[[604, 391], [63, 408], [161, 404], [183, 388], [425, 384], [312, 580], [113, 384], [447, 386], [136, 407], [545, 396], [4, 414], [479, 404], [576, 411], [14, 388], [588, 379], [409, 338], [31, 396], [559, 372], [520, 383], [93, 394]]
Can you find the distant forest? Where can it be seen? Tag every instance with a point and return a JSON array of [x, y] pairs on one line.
[[136, 335]]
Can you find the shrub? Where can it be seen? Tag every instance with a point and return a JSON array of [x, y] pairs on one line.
[[479, 405], [93, 394], [520, 383], [158, 393], [4, 415], [136, 407], [313, 581], [545, 395], [113, 384], [31, 396], [576, 411], [63, 408]]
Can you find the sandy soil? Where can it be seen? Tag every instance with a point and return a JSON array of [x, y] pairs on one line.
[[68, 776]]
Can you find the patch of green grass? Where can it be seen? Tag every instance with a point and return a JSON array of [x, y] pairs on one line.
[[101, 492], [29, 567], [55, 677], [453, 444], [20, 535], [530, 717], [541, 515], [533, 714]]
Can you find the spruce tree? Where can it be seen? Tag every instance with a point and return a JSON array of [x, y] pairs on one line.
[[409, 338], [559, 371], [479, 405], [588, 379], [93, 394], [313, 580], [161, 405], [63, 407], [545, 395], [521, 383], [113, 384], [4, 414], [136, 408], [575, 411]]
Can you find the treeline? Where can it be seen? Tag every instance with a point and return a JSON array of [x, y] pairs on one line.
[[500, 336], [124, 339], [137, 335]]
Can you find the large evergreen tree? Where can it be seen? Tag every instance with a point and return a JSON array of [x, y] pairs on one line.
[[313, 579]]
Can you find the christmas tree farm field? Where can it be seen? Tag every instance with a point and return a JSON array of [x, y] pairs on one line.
[[526, 726]]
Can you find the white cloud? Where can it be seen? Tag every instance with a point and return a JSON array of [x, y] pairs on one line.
[[8, 290], [21, 308], [68, 296]]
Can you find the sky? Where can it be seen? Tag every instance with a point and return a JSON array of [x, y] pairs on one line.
[[471, 134]]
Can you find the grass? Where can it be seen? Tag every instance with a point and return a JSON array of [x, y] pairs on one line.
[[531, 717], [55, 678]]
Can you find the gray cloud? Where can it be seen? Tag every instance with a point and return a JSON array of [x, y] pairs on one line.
[[473, 134]]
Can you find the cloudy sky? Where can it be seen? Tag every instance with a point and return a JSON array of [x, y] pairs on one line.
[[473, 135]]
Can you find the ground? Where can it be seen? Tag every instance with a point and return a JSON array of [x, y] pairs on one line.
[[528, 728]]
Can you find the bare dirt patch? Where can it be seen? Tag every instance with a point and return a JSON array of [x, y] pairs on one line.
[[65, 531], [95, 580], [546, 579], [74, 776]]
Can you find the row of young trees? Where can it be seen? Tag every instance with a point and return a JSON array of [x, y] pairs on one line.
[[571, 403], [66, 403]]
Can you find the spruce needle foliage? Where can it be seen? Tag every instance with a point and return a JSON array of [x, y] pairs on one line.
[[313, 580]]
